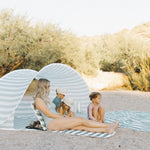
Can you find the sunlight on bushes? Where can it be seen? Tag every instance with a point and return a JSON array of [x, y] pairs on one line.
[[23, 45]]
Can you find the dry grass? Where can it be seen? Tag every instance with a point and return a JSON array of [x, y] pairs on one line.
[[106, 80], [31, 88], [103, 81]]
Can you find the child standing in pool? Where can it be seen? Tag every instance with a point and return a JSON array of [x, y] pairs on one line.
[[95, 109]]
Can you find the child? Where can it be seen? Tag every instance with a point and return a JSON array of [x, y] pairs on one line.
[[95, 109], [65, 107], [60, 92]]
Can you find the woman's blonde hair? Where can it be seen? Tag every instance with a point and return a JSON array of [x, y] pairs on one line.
[[41, 89]]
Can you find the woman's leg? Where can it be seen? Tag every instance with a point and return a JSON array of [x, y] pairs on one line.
[[72, 122]]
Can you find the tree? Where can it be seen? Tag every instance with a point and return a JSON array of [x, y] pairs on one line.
[[14, 40]]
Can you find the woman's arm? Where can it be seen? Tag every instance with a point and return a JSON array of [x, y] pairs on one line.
[[40, 105]]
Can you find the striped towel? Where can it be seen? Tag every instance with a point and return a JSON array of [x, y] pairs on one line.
[[127, 119], [22, 119]]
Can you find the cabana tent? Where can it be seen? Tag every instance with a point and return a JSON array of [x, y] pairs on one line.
[[14, 85]]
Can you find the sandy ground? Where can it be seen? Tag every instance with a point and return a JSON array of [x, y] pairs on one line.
[[124, 139]]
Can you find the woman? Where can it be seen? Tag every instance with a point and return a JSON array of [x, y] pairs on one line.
[[57, 122]]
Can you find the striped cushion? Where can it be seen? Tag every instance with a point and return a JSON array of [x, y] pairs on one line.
[[39, 117]]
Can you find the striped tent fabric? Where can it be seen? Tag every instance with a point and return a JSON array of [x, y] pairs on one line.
[[12, 88], [24, 115], [9, 123], [14, 84], [64, 76]]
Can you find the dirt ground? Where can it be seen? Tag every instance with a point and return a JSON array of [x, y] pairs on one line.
[[124, 139]]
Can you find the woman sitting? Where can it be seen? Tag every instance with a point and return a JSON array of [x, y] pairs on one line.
[[57, 122]]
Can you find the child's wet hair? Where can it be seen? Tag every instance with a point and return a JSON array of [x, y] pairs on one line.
[[94, 95]]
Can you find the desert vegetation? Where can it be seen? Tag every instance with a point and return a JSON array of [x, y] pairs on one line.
[[24, 44]]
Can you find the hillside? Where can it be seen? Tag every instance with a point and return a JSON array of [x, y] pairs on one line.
[[142, 31], [113, 80]]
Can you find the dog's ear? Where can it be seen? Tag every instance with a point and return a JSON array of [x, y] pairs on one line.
[[34, 124]]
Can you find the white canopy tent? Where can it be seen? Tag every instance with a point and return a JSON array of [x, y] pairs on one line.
[[14, 85]]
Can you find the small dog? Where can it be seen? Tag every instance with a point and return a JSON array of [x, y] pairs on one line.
[[35, 124]]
